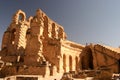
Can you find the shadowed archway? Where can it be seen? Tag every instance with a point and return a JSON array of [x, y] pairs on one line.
[[86, 59]]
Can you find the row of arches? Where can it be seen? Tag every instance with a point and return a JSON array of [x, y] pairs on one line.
[[52, 30], [55, 32], [70, 63]]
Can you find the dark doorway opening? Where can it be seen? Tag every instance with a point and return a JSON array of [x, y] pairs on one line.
[[87, 59]]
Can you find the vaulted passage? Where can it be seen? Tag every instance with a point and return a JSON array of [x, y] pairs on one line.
[[87, 59]]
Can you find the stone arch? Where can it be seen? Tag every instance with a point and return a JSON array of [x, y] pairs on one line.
[[70, 63], [19, 16], [87, 58], [53, 30], [45, 32], [13, 33], [64, 63]]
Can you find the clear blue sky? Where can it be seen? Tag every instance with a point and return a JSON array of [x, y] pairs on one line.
[[84, 21]]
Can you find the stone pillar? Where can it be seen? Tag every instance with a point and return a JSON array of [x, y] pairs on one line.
[[60, 65], [49, 30], [54, 70], [47, 70], [73, 63], [67, 63], [53, 30], [56, 31]]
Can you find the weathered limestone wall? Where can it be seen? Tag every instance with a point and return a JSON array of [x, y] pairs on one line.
[[34, 44], [39, 46], [106, 58], [14, 40], [52, 51], [31, 70], [100, 57]]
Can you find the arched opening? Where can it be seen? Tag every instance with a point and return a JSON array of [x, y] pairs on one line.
[[87, 59], [64, 62], [45, 32], [53, 30], [13, 33], [70, 63], [76, 62], [21, 17]]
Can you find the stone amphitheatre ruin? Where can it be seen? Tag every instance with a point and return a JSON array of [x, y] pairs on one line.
[[37, 48]]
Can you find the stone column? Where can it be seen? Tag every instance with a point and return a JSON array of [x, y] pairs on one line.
[[60, 65], [73, 63], [67, 63], [49, 30]]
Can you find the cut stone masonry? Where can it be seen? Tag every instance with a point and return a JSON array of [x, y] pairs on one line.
[[39, 46]]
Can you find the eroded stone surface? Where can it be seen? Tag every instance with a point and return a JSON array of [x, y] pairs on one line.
[[39, 46]]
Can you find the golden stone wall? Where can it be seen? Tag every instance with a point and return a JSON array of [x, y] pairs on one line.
[[37, 44]]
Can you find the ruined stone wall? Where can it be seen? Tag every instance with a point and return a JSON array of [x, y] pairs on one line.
[[100, 57], [52, 52], [106, 58], [31, 70], [34, 44], [14, 39], [30, 45]]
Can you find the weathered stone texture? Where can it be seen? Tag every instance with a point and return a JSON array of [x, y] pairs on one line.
[[39, 46], [30, 45], [100, 57]]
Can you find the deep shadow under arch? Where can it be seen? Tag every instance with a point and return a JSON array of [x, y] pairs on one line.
[[87, 59]]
